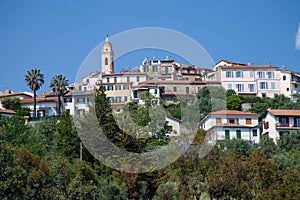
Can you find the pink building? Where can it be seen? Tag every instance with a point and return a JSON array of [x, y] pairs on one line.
[[263, 81]]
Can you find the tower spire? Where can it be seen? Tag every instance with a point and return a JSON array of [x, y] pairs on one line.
[[107, 56]]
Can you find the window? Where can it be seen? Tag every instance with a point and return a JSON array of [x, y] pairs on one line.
[[240, 87], [284, 78], [166, 70], [248, 121], [137, 79], [231, 121], [67, 99], [110, 99], [106, 61], [118, 99], [154, 68], [125, 87], [251, 73], [297, 122], [238, 134], [174, 89], [261, 74], [287, 89], [187, 90], [110, 87], [87, 99], [229, 74], [238, 74], [270, 74], [146, 68], [229, 86], [273, 85], [254, 132], [284, 121], [251, 87], [118, 87], [218, 120], [80, 100], [128, 78], [107, 80], [125, 98], [227, 134], [263, 95], [115, 79], [263, 85], [103, 87], [135, 94], [155, 91]]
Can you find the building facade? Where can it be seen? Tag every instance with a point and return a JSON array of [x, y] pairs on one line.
[[229, 124], [277, 123], [290, 84]]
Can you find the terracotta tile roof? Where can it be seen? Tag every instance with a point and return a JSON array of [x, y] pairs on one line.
[[114, 83], [124, 73], [7, 111], [39, 100], [15, 94], [284, 112], [231, 112], [247, 67], [234, 125]]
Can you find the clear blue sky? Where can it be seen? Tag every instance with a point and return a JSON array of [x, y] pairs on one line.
[[57, 35]]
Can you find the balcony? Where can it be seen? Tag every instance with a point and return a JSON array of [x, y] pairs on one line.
[[281, 126], [296, 92]]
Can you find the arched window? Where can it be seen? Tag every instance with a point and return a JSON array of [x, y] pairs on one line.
[[106, 61]]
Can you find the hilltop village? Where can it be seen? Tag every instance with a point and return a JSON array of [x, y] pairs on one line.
[[246, 120], [170, 82]]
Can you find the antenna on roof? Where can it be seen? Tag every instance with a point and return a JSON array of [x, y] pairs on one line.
[[153, 52], [270, 63]]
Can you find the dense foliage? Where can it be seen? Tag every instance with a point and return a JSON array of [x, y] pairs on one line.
[[42, 161]]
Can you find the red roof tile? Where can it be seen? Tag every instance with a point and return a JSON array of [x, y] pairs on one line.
[[15, 94], [6, 111], [39, 100], [277, 112], [234, 125], [247, 67], [231, 112]]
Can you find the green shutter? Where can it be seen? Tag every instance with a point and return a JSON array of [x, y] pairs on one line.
[[227, 134], [238, 134], [254, 132]]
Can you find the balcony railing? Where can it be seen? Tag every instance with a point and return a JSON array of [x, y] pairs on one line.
[[33, 119], [280, 125]]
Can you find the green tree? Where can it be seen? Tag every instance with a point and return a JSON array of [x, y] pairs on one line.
[[211, 98], [282, 102], [234, 102], [230, 93], [11, 103], [67, 140], [105, 115], [267, 146], [59, 85], [174, 110], [34, 79]]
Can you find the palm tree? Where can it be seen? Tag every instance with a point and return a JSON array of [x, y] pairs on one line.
[[34, 79], [58, 85]]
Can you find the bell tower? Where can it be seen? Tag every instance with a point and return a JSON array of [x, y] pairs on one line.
[[107, 58]]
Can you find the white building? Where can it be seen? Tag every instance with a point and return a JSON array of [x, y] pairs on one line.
[[7, 112], [44, 106], [277, 123], [173, 125], [290, 84], [229, 124]]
